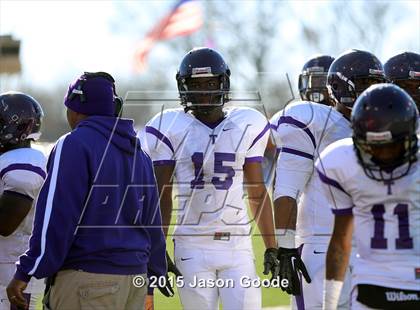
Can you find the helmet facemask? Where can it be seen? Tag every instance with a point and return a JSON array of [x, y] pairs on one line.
[[398, 151], [312, 86], [346, 90], [203, 93]]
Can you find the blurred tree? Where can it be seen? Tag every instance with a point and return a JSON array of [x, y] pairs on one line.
[[351, 24]]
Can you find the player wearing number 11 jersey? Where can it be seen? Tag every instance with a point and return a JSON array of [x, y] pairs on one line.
[[374, 182], [212, 156]]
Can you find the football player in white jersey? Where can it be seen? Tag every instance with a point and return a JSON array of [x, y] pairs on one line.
[[22, 172], [301, 131], [212, 156], [373, 183]]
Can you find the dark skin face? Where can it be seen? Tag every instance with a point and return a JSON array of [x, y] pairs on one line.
[[412, 87], [74, 118], [206, 84], [386, 154], [362, 85]]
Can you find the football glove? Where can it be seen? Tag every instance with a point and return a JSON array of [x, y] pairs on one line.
[[271, 264], [291, 265], [167, 289]]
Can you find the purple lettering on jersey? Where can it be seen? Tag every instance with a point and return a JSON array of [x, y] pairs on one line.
[[219, 158], [198, 159], [378, 241], [403, 241]]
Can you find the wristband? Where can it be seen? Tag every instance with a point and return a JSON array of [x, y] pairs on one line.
[[285, 238], [331, 294]]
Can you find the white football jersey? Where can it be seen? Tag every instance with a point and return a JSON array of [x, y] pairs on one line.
[[22, 171], [386, 217], [301, 131], [209, 186]]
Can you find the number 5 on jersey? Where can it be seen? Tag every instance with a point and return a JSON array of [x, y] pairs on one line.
[[219, 158]]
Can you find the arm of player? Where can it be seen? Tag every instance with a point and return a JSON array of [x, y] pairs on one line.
[[13, 209], [20, 187], [153, 221], [294, 168], [338, 256], [333, 180], [164, 175], [262, 211], [57, 212]]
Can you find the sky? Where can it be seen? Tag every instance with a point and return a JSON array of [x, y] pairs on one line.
[[61, 39]]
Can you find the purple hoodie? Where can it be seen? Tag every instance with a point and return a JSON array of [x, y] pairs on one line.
[[98, 210]]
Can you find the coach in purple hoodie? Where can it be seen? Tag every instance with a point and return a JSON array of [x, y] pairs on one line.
[[97, 225]]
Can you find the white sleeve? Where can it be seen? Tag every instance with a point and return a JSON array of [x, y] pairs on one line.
[[273, 128], [333, 186], [259, 143], [157, 143], [295, 160], [25, 181]]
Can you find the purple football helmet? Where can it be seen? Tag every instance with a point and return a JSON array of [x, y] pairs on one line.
[[351, 73], [20, 118], [313, 79], [404, 70]]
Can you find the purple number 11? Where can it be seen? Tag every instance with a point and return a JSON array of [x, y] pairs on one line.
[[378, 241]]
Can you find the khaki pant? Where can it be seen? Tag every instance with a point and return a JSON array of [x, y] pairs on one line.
[[75, 290]]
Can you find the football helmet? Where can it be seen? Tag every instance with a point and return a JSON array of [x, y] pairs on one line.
[[313, 79], [384, 121], [351, 73], [404, 70], [20, 118], [203, 65]]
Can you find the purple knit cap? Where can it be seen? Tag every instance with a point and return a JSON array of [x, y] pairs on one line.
[[91, 96]]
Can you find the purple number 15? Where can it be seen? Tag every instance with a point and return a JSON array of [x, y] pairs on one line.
[[403, 241], [198, 159]]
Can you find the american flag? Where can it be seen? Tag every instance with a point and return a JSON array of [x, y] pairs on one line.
[[185, 18]]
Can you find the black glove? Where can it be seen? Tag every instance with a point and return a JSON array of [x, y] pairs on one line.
[[290, 266], [171, 266], [271, 263], [167, 289]]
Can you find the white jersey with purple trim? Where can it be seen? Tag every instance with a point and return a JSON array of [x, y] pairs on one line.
[[211, 212], [301, 131], [386, 217], [22, 172]]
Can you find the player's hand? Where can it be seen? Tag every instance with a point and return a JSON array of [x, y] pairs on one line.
[[291, 265], [15, 293], [271, 264], [171, 266], [148, 302], [167, 289]]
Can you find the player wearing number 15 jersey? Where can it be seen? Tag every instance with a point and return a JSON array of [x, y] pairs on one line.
[[374, 182], [212, 156]]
